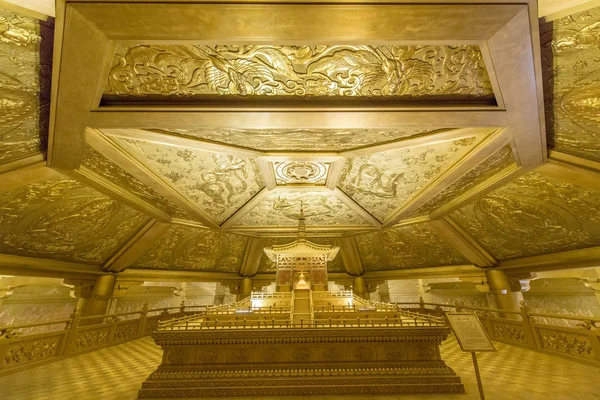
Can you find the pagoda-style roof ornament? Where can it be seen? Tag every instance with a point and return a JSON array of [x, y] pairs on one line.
[[301, 247]]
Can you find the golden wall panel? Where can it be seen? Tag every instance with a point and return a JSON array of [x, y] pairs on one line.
[[283, 209], [533, 215], [571, 59], [25, 73], [217, 183], [479, 174], [105, 168], [413, 246], [411, 73], [187, 248], [382, 182], [64, 220], [301, 139]]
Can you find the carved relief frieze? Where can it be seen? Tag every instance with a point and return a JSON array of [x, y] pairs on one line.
[[301, 139], [571, 67], [283, 209], [479, 174], [25, 73], [105, 168], [382, 182], [217, 183], [533, 215], [63, 219], [399, 71], [411, 246], [31, 351], [187, 248]]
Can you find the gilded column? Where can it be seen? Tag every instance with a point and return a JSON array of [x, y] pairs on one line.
[[359, 287], [98, 302], [500, 289], [245, 289]]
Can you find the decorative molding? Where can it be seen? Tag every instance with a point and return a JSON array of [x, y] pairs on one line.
[[28, 266]]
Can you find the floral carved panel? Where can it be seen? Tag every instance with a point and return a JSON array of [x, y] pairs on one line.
[[217, 183], [301, 139], [64, 220], [25, 73], [533, 215], [571, 61], [187, 248], [413, 246], [382, 182], [108, 170], [407, 72], [283, 209]]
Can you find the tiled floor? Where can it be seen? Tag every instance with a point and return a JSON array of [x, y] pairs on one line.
[[116, 373]]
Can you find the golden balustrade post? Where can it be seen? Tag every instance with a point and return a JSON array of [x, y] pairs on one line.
[[504, 298], [245, 288], [528, 332], [143, 320], [71, 337], [5, 336], [359, 287]]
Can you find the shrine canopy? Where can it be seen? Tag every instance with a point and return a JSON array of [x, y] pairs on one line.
[[301, 248]]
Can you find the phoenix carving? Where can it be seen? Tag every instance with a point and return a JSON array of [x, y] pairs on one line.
[[363, 71]]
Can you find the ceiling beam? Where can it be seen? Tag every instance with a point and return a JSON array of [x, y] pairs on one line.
[[558, 157], [354, 206], [463, 242], [243, 210], [29, 266], [582, 258], [23, 162], [105, 118], [453, 271], [153, 275]]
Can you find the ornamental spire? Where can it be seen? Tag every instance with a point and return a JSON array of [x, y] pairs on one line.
[[301, 223]]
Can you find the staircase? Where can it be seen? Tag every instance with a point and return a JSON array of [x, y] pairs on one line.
[[301, 306]]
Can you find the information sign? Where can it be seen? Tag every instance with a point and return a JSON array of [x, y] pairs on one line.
[[469, 332]]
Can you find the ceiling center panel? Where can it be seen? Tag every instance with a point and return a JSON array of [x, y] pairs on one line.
[[217, 183], [399, 73]]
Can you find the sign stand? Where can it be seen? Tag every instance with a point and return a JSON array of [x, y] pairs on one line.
[[471, 337]]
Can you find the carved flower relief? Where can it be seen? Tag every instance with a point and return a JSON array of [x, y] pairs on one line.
[[178, 355], [321, 71], [508, 332], [301, 354], [92, 338], [207, 355], [425, 352], [238, 355], [333, 353], [270, 355], [363, 353], [567, 343], [29, 351], [395, 353], [54, 218]]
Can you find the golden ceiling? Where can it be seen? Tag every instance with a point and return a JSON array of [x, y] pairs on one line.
[[417, 141]]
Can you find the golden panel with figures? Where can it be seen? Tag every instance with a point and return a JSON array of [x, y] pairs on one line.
[[25, 72], [64, 220], [218, 183], [196, 249], [533, 215], [571, 51], [414, 246], [382, 182], [409, 73]]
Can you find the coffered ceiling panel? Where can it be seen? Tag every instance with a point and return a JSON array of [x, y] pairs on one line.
[[414, 246], [282, 208], [187, 248], [103, 167], [382, 182], [536, 214], [489, 167], [218, 183], [410, 73], [64, 220], [25, 70], [331, 140], [571, 48]]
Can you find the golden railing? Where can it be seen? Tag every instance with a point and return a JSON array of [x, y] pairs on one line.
[[577, 338], [79, 335]]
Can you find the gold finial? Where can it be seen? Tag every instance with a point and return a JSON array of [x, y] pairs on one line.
[[301, 223]]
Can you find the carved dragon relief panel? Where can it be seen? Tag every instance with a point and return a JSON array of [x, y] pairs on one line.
[[533, 215], [571, 61], [25, 73], [64, 220], [105, 168], [301, 139], [217, 183], [455, 73], [283, 209], [187, 248], [479, 174], [414, 246], [382, 182]]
